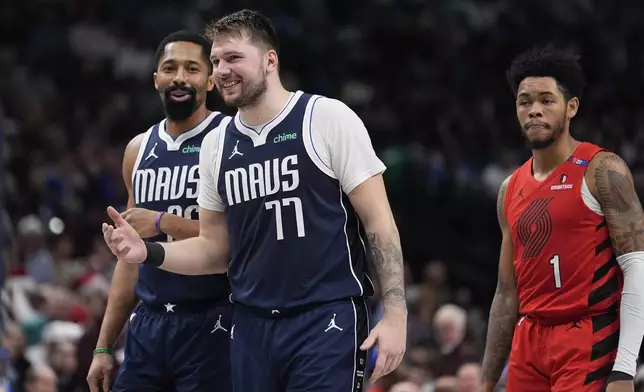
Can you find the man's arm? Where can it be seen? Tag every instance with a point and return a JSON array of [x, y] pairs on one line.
[[122, 297], [207, 253], [369, 199], [610, 180], [179, 228], [505, 305]]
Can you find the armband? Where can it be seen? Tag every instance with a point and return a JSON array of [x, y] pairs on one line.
[[156, 254]]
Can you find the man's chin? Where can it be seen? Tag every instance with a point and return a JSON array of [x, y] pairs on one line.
[[179, 111], [541, 144]]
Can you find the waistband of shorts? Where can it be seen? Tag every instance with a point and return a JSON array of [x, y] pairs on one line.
[[554, 321], [292, 311], [197, 306]]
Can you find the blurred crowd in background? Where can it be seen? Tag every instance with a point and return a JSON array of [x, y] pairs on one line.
[[427, 78]]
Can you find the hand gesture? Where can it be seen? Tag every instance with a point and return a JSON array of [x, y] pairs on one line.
[[142, 220], [390, 334], [100, 373], [620, 386], [124, 242]]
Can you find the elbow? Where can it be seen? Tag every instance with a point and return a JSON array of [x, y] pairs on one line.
[[381, 224]]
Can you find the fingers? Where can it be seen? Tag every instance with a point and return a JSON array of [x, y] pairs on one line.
[[370, 340], [115, 240], [378, 370], [115, 216], [92, 382], [107, 380]]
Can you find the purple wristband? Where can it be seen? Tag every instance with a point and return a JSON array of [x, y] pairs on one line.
[[157, 222]]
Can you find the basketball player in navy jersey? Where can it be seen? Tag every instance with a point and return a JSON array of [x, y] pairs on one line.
[[293, 182], [178, 336]]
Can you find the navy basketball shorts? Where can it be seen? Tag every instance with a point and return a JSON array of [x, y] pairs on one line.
[[176, 349], [315, 350]]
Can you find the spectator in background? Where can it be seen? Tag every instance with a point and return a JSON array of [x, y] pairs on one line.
[[405, 386], [38, 261], [469, 376], [13, 343], [63, 360], [446, 384], [450, 324], [41, 378]]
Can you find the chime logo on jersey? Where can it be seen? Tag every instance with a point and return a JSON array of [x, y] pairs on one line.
[[166, 183], [262, 179]]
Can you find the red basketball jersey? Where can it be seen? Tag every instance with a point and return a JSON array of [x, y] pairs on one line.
[[563, 256]]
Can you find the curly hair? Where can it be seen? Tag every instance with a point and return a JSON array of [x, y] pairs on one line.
[[549, 61]]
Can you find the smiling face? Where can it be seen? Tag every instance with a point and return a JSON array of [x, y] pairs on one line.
[[183, 79], [543, 111], [241, 67]]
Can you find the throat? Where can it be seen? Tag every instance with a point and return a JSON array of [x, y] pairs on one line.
[[176, 128], [547, 160]]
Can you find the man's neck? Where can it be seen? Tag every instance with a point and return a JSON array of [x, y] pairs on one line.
[[269, 106], [546, 160], [176, 128]]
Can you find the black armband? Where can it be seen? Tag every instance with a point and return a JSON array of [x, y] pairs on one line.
[[156, 254], [618, 376]]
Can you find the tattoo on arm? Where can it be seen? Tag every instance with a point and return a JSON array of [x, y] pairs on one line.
[[503, 318], [500, 203], [621, 206], [505, 307], [388, 261]]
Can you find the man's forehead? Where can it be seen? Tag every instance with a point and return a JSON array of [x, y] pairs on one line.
[[175, 50], [538, 83], [228, 42]]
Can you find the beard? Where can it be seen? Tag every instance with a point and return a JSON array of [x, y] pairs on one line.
[[179, 110], [540, 144], [250, 95]]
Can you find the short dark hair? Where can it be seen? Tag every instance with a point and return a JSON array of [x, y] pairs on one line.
[[185, 36], [253, 23], [549, 61]]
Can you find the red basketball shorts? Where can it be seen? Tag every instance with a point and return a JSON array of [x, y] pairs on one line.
[[573, 357]]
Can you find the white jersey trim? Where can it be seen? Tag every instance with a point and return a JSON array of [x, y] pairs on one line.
[[175, 144], [220, 155], [258, 134], [139, 155], [307, 136], [355, 343], [589, 200], [346, 239]]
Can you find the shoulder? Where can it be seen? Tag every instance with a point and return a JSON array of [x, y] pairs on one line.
[[606, 170], [132, 149], [135, 143], [210, 142], [501, 197], [503, 189], [331, 110]]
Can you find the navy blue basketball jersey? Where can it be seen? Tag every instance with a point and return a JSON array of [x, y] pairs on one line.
[[166, 178], [295, 239]]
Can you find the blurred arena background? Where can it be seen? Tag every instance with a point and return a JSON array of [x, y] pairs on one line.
[[427, 78]]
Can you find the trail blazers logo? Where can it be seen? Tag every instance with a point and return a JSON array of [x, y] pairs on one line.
[[562, 184], [534, 228]]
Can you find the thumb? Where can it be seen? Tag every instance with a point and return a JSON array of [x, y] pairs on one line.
[[116, 217], [370, 341]]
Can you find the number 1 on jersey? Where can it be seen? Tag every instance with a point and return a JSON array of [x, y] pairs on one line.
[[556, 271], [299, 215]]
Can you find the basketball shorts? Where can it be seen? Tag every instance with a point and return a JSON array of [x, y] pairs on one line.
[[317, 349], [178, 349], [573, 357]]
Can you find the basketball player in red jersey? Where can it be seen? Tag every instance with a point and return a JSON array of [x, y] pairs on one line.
[[568, 308]]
